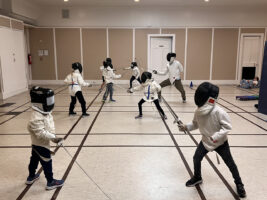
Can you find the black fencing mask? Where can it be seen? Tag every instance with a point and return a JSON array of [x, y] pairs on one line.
[[170, 55], [42, 98], [206, 91], [145, 76], [78, 66], [133, 64]]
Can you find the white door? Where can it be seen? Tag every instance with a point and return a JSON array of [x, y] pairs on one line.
[[251, 53], [13, 63], [159, 48]]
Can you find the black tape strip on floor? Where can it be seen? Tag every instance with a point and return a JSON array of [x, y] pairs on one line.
[[207, 157], [26, 189], [199, 190], [6, 105], [76, 154], [23, 110], [243, 110]]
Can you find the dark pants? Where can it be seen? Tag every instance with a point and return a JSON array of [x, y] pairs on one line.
[[177, 84], [156, 102], [224, 152], [79, 96], [35, 158], [109, 91], [132, 79]]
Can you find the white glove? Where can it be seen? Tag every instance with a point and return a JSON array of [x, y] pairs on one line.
[[182, 127], [57, 140]]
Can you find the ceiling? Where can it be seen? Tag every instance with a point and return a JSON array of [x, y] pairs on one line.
[[149, 3]]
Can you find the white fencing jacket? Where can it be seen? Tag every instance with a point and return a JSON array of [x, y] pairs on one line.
[[151, 89], [41, 128], [75, 81], [110, 75], [212, 121], [135, 71], [102, 70], [174, 71]]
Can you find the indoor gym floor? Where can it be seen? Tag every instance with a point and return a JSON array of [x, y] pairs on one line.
[[128, 159]]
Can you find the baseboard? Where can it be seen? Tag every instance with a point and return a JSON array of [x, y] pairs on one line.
[[13, 93], [217, 82], [98, 82], [61, 82]]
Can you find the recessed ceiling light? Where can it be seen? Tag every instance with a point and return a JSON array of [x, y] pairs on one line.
[[66, 0], [136, 0], [207, 0]]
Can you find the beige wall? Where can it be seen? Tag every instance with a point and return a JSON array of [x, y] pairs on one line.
[[94, 52], [252, 30], [141, 46], [121, 50], [198, 54], [225, 54], [43, 68], [68, 50], [4, 22], [17, 25]]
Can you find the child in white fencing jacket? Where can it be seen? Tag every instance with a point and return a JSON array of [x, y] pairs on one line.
[[214, 124], [42, 130], [109, 76], [75, 81], [150, 95], [135, 73]]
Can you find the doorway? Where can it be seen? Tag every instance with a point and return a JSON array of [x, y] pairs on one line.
[[158, 47], [250, 58]]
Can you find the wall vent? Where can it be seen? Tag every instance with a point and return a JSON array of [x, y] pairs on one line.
[[65, 13]]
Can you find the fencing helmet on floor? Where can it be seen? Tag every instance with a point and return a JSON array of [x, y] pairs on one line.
[[206, 92], [171, 56], [42, 98], [78, 66], [133, 64], [145, 76]]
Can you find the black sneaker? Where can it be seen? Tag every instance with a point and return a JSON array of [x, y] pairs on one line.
[[139, 117], [72, 113], [31, 180], [193, 181], [54, 184], [241, 190], [85, 114]]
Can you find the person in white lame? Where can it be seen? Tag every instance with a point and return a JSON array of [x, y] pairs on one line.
[[42, 130], [75, 81], [109, 76], [135, 73], [214, 124], [174, 69], [150, 95]]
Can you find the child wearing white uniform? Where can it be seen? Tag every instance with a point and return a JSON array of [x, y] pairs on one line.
[[151, 88], [75, 81], [109, 76], [135, 73], [214, 124], [174, 70], [42, 130]]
